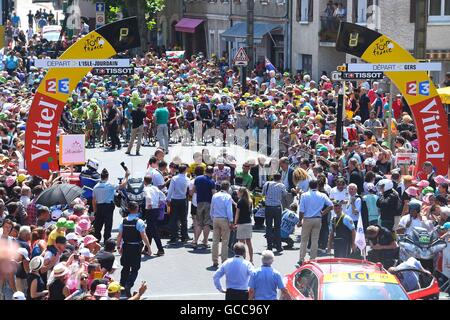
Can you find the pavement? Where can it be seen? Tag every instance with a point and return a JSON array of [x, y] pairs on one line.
[[182, 273]]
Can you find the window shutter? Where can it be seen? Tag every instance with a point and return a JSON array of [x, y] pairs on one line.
[[412, 11], [299, 9], [355, 11], [310, 11]]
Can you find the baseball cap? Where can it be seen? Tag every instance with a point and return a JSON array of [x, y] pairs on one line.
[[86, 253], [72, 236], [115, 287], [19, 295]]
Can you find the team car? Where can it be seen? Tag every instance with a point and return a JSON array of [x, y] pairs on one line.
[[350, 279]]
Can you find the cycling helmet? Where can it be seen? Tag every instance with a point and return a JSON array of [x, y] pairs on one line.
[[93, 164]]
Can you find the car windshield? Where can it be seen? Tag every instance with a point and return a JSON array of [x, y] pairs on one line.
[[51, 36], [363, 291]]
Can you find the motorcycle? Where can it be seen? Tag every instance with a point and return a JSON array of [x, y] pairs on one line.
[[423, 245], [134, 191]]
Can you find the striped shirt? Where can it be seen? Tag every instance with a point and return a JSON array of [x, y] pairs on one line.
[[274, 192]]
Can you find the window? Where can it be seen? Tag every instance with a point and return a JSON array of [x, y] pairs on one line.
[[362, 11], [307, 63], [305, 10], [439, 10], [307, 283]]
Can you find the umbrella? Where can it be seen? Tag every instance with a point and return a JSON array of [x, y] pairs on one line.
[[444, 93], [63, 194]]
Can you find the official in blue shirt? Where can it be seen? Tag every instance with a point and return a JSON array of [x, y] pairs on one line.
[[265, 281], [343, 233], [103, 205], [237, 271]]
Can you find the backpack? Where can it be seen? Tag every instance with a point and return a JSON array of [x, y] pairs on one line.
[[364, 213]]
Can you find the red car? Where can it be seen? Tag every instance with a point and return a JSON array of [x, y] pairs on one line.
[[350, 279]]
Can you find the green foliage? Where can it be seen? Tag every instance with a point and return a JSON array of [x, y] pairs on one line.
[[152, 7]]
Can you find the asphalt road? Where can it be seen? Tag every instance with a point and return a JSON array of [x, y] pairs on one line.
[[184, 273]]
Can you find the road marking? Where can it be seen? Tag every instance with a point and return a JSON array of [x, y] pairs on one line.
[[184, 295]]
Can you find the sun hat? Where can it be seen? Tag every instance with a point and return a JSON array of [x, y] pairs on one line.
[[83, 225], [71, 236], [70, 225], [86, 253], [24, 253], [36, 263], [446, 226], [412, 191], [371, 187], [357, 118], [10, 180], [423, 183], [115, 287], [370, 162], [61, 223], [441, 179], [101, 290], [60, 270], [89, 239], [427, 190], [427, 197], [21, 178]]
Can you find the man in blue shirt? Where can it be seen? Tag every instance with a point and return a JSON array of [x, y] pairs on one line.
[[237, 271], [265, 281], [103, 204], [177, 198], [129, 244], [15, 20], [204, 187], [288, 222], [311, 210]]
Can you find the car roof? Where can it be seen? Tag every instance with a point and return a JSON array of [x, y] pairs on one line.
[[334, 265]]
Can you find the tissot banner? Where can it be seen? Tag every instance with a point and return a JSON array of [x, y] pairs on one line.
[[416, 87], [54, 90]]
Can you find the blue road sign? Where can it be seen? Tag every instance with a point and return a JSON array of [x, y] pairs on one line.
[[100, 7]]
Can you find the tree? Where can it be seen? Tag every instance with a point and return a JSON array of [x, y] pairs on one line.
[[145, 10]]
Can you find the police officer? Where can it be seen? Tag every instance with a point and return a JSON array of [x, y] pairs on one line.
[[343, 232], [103, 204], [88, 179], [132, 232]]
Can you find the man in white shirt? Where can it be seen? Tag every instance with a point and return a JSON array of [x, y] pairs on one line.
[[339, 192], [413, 219], [154, 198], [158, 178], [353, 206]]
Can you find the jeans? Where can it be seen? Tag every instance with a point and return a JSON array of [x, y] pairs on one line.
[[136, 132], [273, 223], [179, 213], [103, 216], [162, 134], [151, 218]]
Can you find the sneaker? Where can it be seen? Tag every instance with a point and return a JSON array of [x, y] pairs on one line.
[[280, 249], [127, 152], [215, 265], [172, 241], [160, 253], [138, 154]]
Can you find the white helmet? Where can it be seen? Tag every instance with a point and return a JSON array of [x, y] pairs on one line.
[[93, 164], [386, 183]]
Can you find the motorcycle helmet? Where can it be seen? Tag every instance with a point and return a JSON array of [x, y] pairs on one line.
[[386, 183], [93, 164]]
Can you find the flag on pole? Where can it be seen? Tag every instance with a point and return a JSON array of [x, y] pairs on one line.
[[171, 55], [360, 238], [269, 65]]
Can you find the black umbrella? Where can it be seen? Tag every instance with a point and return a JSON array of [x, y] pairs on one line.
[[63, 194]]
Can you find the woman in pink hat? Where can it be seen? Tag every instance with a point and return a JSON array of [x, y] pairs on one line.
[[83, 227], [91, 243]]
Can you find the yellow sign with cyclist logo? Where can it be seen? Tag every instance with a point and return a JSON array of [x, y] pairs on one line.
[[359, 277]]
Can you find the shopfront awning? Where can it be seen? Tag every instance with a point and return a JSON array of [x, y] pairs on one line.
[[187, 25], [238, 32]]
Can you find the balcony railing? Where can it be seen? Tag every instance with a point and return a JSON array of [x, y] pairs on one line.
[[329, 28]]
